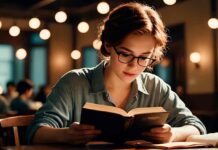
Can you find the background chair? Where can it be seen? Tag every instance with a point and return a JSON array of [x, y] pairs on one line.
[[15, 122]]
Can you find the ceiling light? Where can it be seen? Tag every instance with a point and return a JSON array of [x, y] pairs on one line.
[[34, 23], [1, 89], [45, 34], [60, 16], [75, 54], [21, 53], [0, 24], [169, 2], [14, 31], [103, 8], [83, 27], [213, 23], [97, 44]]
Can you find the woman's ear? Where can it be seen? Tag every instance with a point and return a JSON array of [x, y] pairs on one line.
[[108, 47]]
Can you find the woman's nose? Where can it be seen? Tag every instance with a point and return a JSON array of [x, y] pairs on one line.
[[133, 63]]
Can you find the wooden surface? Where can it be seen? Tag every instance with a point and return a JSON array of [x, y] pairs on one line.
[[16, 122], [69, 147]]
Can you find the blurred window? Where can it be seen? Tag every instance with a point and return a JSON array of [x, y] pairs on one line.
[[36, 40], [90, 57], [6, 64], [38, 61]]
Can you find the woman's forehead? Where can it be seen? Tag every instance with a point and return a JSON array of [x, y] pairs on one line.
[[136, 42]]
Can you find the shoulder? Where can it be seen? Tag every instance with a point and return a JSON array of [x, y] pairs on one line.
[[149, 77], [18, 103], [3, 100], [75, 77], [77, 73], [152, 81]]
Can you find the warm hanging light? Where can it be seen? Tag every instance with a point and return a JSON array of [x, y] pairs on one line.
[[0, 24], [60, 16], [103, 8], [1, 89], [213, 23], [83, 27], [97, 44], [44, 34], [21, 53], [169, 2], [75, 54], [14, 31], [34, 23], [195, 57]]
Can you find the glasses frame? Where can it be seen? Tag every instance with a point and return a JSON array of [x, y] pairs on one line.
[[134, 57]]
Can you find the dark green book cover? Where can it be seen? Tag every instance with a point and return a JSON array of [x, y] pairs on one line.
[[117, 126]]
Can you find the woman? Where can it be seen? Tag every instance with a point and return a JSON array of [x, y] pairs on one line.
[[133, 38]]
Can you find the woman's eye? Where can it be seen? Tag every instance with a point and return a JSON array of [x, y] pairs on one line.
[[125, 55], [143, 58]]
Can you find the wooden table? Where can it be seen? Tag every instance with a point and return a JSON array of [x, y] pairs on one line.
[[69, 147]]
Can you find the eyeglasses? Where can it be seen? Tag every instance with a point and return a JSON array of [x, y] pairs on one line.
[[127, 58]]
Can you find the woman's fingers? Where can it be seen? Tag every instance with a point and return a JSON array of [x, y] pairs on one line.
[[164, 128], [76, 126], [81, 133], [160, 134]]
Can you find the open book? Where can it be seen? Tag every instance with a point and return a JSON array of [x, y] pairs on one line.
[[171, 145], [117, 125], [211, 138], [206, 140]]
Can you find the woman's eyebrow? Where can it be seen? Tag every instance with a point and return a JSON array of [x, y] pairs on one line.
[[129, 50]]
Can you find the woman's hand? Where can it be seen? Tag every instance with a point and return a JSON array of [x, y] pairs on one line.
[[81, 134], [162, 134]]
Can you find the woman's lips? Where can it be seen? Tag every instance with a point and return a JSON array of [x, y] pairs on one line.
[[129, 74]]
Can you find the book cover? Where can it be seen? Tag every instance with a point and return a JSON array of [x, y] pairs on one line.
[[117, 125]]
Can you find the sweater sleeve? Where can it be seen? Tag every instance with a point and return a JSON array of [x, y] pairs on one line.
[[57, 112], [180, 115]]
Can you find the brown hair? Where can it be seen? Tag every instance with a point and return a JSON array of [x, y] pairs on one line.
[[132, 17], [24, 85]]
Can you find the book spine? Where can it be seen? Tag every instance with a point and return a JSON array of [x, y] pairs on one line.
[[127, 127], [128, 123]]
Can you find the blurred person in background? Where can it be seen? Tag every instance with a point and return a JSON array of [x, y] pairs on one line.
[[43, 93], [3, 105], [11, 92], [21, 104]]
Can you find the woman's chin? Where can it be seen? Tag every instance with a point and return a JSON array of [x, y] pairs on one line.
[[128, 79]]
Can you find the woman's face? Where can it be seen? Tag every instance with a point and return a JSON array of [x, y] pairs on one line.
[[29, 93], [136, 45]]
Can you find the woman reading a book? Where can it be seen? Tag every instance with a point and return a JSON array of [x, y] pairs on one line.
[[133, 39]]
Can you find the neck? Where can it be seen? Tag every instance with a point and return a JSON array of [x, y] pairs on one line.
[[112, 82], [23, 97]]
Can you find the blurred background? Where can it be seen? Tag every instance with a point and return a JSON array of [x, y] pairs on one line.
[[43, 39]]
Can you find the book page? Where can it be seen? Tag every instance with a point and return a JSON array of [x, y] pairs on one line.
[[211, 138], [137, 111], [143, 143], [105, 108]]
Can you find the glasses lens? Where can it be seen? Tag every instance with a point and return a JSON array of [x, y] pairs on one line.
[[145, 62], [125, 58]]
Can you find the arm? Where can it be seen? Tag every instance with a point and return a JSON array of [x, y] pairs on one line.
[[181, 133], [180, 123], [47, 134], [75, 134], [58, 113], [180, 115], [168, 134]]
